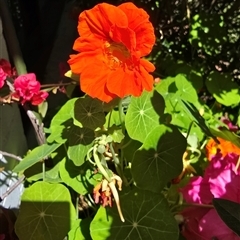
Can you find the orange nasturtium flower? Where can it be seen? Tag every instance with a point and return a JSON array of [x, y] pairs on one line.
[[111, 45], [225, 147]]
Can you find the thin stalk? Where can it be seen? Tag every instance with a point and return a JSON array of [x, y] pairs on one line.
[[120, 110]]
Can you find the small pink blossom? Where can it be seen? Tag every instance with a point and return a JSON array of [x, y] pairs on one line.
[[27, 89], [219, 181]]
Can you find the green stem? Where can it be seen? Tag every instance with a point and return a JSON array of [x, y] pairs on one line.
[[120, 110], [11, 38]]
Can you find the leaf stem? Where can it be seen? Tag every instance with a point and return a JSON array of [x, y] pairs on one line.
[[120, 110]]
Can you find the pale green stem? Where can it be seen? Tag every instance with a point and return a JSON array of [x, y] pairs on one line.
[[99, 165]]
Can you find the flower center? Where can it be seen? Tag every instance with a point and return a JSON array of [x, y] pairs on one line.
[[116, 55]]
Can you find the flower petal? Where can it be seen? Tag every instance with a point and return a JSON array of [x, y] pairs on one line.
[[123, 83], [138, 21], [125, 36], [99, 20], [93, 79]]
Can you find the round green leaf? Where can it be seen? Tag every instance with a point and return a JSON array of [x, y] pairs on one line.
[[185, 89], [46, 212], [80, 141], [146, 214], [144, 114], [224, 90], [89, 112], [81, 179], [159, 159]]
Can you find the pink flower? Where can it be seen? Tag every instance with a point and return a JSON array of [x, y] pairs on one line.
[[3, 77], [219, 181], [27, 89]]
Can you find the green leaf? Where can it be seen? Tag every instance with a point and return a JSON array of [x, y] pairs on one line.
[[229, 212], [222, 87], [159, 159], [146, 214], [46, 212], [80, 230], [193, 113], [81, 179], [185, 89], [116, 133], [61, 122], [80, 141], [144, 114], [227, 135], [35, 173], [112, 118], [36, 155], [42, 109], [89, 112]]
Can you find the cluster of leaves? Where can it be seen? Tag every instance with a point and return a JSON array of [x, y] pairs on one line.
[[198, 62]]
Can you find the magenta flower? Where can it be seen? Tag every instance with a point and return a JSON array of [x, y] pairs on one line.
[[219, 181], [27, 89]]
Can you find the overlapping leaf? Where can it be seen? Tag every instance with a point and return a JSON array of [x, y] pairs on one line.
[[144, 114], [80, 141], [146, 214], [159, 159], [46, 212], [36, 155], [88, 112]]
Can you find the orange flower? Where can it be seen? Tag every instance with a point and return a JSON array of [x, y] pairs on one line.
[[112, 42], [225, 147]]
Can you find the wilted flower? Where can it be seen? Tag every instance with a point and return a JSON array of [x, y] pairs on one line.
[[105, 192], [219, 181], [27, 89], [112, 42]]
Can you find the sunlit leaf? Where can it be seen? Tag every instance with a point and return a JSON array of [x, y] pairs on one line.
[[61, 122], [46, 212], [144, 114], [147, 216], [81, 179], [159, 159], [36, 155], [224, 90]]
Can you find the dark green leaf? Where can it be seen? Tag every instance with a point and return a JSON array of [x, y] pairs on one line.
[[159, 159], [229, 212], [89, 112]]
